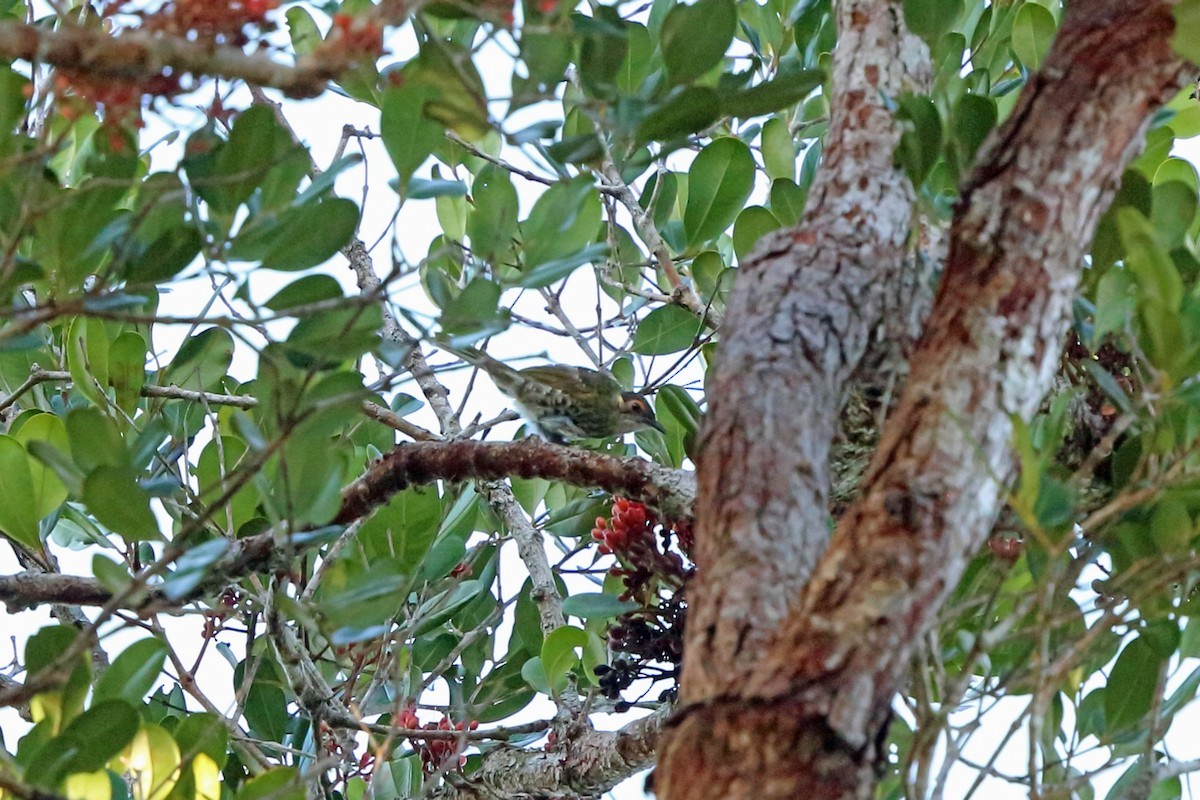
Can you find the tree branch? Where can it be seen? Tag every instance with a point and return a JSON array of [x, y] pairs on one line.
[[798, 321], [822, 691], [591, 764], [670, 491], [139, 57]]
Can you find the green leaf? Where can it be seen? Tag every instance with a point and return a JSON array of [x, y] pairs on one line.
[[47, 490], [201, 361], [409, 136], [692, 109], [18, 506], [694, 38], [310, 234], [921, 143], [549, 272], [133, 673], [1032, 32], [13, 87], [404, 529], [667, 329], [534, 673], [559, 656], [87, 357], [127, 370], [719, 182], [255, 144], [752, 224], [1186, 37], [769, 96], [113, 495], [193, 567], [266, 705], [1131, 685], [166, 256], [778, 149], [280, 783], [596, 605], [974, 118], [564, 220], [95, 441], [360, 596], [787, 201], [680, 415], [1171, 527], [929, 19], [99, 734], [475, 308], [603, 49], [302, 30], [453, 94], [309, 289], [423, 189], [492, 222], [1172, 211], [201, 733], [325, 341]]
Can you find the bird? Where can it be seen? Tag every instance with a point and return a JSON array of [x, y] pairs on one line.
[[563, 402]]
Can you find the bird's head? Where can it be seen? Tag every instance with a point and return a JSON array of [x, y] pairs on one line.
[[636, 414]]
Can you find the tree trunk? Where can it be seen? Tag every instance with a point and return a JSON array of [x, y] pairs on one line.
[[794, 652]]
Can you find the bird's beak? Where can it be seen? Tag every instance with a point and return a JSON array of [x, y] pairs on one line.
[[657, 426]]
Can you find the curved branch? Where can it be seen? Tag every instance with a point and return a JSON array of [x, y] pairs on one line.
[[822, 692], [138, 57], [30, 589], [799, 319], [670, 491]]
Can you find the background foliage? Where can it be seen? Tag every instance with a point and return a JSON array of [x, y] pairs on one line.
[[186, 364]]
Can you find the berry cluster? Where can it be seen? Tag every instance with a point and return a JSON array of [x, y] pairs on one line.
[[116, 101], [351, 39], [232, 22], [436, 754], [119, 100], [654, 566]]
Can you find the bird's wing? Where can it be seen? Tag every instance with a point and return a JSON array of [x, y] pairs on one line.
[[578, 382]]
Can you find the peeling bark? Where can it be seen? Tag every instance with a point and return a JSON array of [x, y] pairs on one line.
[[806, 717], [798, 322], [588, 765]]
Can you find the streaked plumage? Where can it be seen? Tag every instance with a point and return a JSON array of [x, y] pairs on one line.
[[565, 402]]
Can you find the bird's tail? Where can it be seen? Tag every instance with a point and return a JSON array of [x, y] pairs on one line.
[[507, 379]]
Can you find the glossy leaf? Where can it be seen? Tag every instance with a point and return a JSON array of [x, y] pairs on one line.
[[667, 329], [311, 234], [596, 605], [47, 490], [1032, 32], [408, 134], [752, 224], [18, 506], [114, 496], [694, 38], [719, 181]]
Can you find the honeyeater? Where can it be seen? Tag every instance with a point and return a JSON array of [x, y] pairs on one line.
[[564, 402]]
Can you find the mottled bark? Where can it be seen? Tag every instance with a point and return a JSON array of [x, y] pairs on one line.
[[800, 317], [806, 717], [670, 491], [589, 764]]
